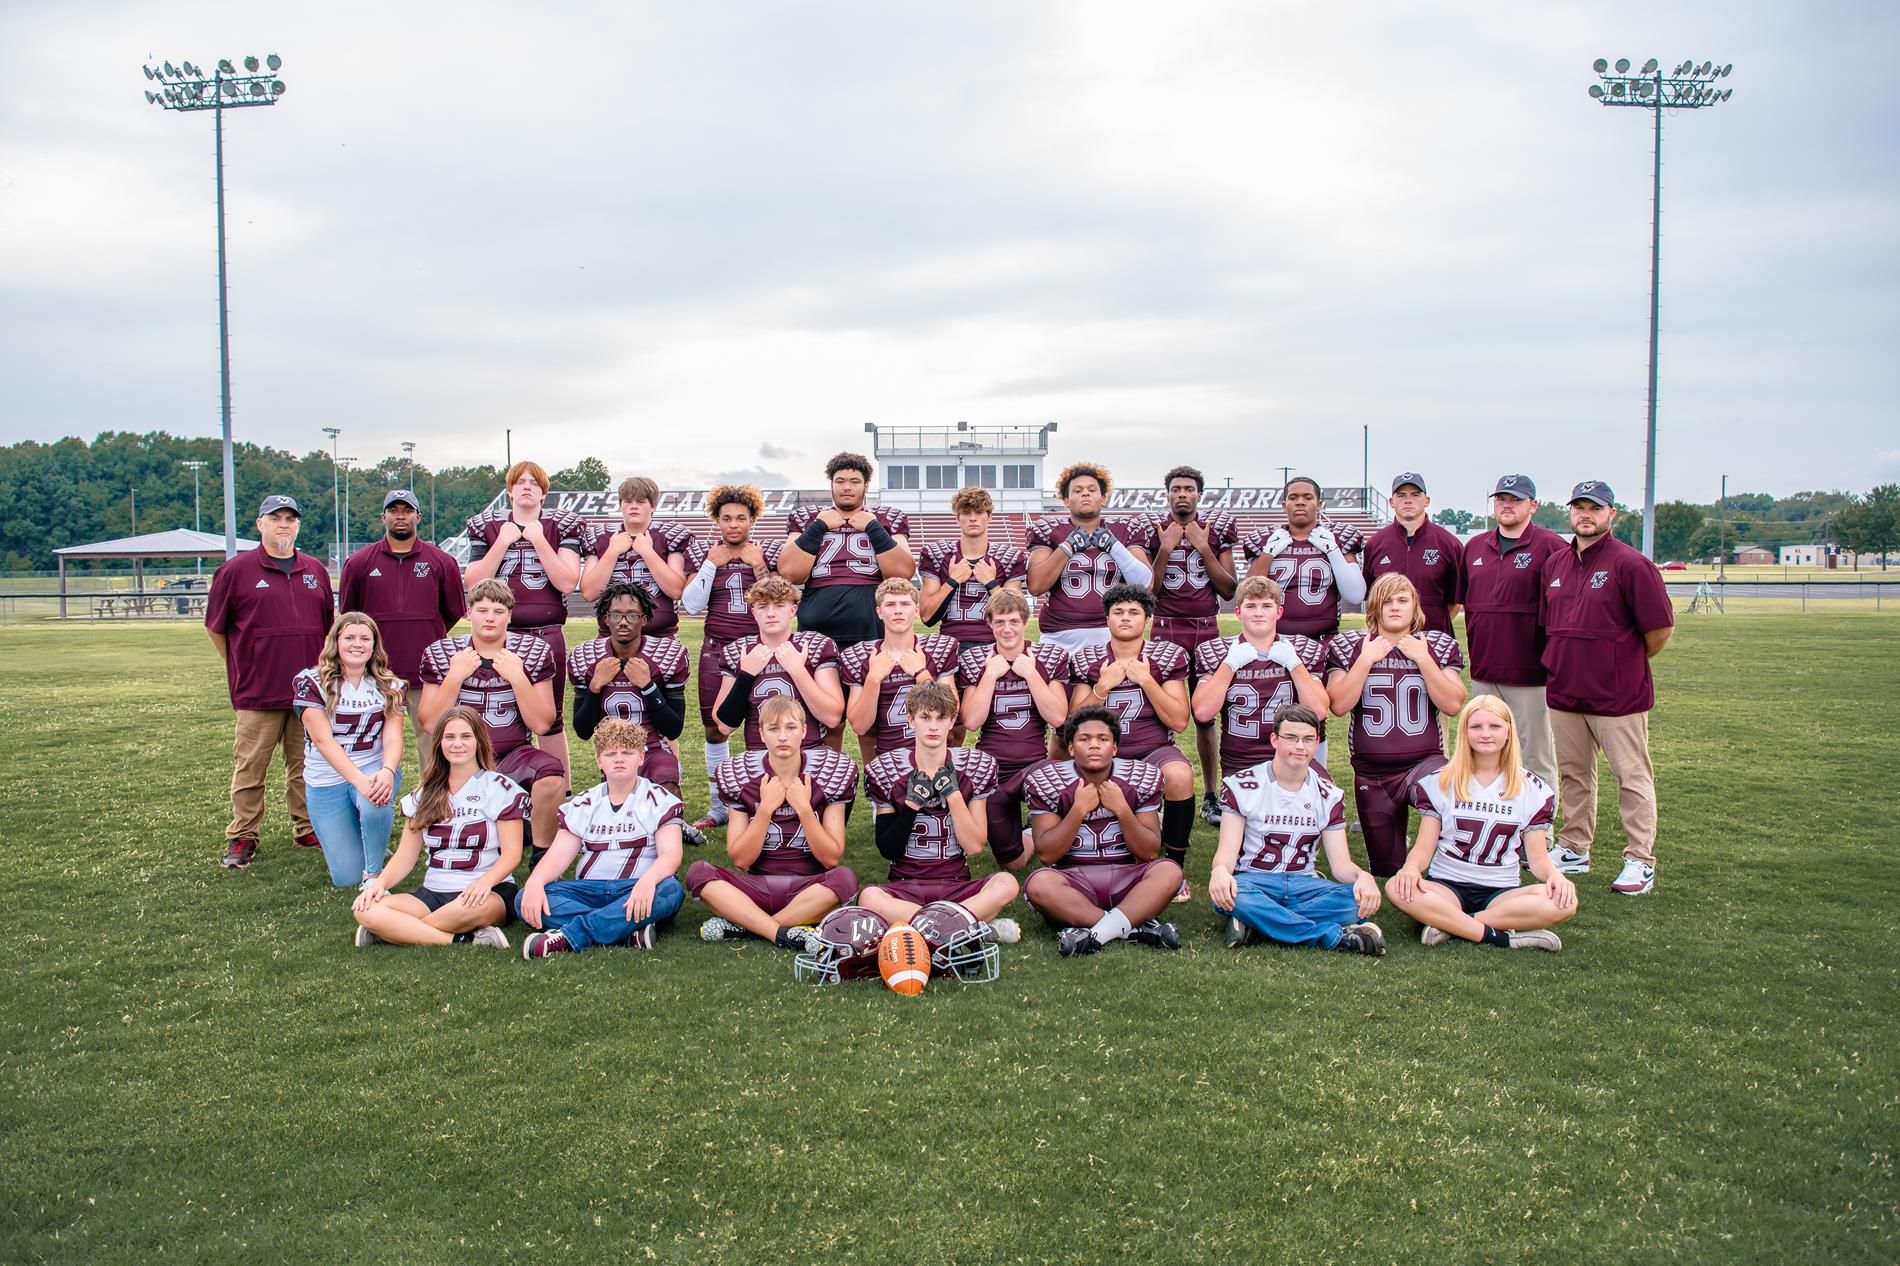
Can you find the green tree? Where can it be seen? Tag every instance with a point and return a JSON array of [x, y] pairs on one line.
[[1676, 526], [590, 474], [1459, 520], [1872, 524]]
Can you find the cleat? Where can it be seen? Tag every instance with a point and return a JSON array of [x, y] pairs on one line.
[[490, 937], [1433, 936], [1370, 937], [692, 836], [799, 939], [1156, 935], [309, 840], [1074, 942], [542, 944], [1210, 810], [239, 854], [642, 937], [708, 823], [1568, 862], [1008, 931], [1186, 893], [718, 929], [366, 938], [1536, 938], [1637, 877], [1239, 935]]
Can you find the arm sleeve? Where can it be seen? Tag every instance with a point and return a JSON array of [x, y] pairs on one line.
[[893, 831], [1133, 569], [1351, 580], [698, 590], [666, 709], [812, 537], [587, 712], [738, 700]]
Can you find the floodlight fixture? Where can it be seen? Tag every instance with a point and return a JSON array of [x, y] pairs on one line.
[[1600, 65], [1622, 65], [1596, 90], [1649, 67], [274, 62]]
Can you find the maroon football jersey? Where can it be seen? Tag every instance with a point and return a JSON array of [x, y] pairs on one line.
[[966, 616], [537, 603], [728, 617], [932, 852], [1075, 600], [1595, 612], [1186, 593], [1014, 731], [1142, 731], [1502, 582], [1303, 573], [845, 557], [820, 651], [893, 725], [1254, 697], [486, 690], [1098, 840], [834, 780], [1430, 558], [1394, 724], [621, 700], [631, 569]]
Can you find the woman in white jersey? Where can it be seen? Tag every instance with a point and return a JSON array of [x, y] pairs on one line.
[[351, 708], [1482, 818]]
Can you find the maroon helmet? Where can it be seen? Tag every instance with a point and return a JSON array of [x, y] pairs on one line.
[[845, 947], [961, 944]]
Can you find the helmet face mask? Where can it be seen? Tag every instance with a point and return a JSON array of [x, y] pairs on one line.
[[847, 948], [961, 945]]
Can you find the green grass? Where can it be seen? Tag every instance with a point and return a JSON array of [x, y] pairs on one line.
[[198, 1066]]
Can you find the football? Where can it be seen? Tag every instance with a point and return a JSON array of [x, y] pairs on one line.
[[903, 958]]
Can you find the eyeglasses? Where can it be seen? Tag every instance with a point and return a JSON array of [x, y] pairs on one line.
[[1298, 740], [624, 617]]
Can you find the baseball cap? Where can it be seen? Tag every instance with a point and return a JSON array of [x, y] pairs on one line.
[[400, 494], [1410, 477], [278, 501], [1516, 486], [1593, 490]]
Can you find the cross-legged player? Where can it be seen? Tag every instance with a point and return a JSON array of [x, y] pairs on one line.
[[623, 839], [633, 675], [931, 818], [841, 552], [1276, 816], [784, 838], [641, 552], [777, 661], [1248, 678], [1482, 818], [1394, 677], [1094, 819], [879, 675], [722, 570], [1014, 690], [1078, 560]]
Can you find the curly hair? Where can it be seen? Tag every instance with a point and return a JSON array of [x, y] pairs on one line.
[[1140, 595], [849, 461], [621, 589], [1094, 470], [734, 495], [770, 589], [1091, 712], [972, 500], [1185, 472]]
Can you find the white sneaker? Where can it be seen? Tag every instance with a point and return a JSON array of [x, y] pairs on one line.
[[366, 938], [718, 929], [1568, 862], [1008, 931], [491, 937], [1433, 936], [1637, 877], [1535, 938]]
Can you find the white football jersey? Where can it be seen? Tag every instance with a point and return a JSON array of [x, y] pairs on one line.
[[618, 841], [467, 844], [1284, 828], [1481, 840], [357, 725]]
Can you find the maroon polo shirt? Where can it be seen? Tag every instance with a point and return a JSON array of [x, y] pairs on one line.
[[1503, 585], [1429, 558], [1595, 611], [273, 624], [414, 598]]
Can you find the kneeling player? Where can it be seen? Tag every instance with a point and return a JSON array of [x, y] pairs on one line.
[[469, 818], [1013, 691], [1481, 818], [785, 835], [626, 833], [1274, 818], [1093, 820], [931, 818]]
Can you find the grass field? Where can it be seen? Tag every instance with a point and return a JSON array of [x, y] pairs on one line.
[[199, 1067]]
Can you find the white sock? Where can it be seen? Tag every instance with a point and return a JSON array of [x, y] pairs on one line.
[[717, 754], [1112, 926]]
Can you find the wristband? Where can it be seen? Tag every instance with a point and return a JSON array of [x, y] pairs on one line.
[[880, 536], [650, 687], [813, 536], [990, 586]]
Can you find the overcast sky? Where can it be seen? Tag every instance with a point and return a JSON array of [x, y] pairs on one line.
[[710, 240]]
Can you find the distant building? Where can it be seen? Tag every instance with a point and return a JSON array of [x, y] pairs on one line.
[[1754, 556]]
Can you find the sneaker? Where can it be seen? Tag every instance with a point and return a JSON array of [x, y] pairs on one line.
[[1433, 936], [541, 944], [718, 929], [491, 937], [692, 836], [707, 823], [1538, 938], [1568, 862], [1008, 931], [1186, 893], [642, 937], [1637, 877], [1371, 938], [1156, 935], [1210, 810], [366, 938], [309, 840], [798, 939], [1349, 942], [1239, 935], [239, 854], [1074, 942]]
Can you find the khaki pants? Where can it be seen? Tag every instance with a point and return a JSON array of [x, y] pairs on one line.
[[1625, 742], [1533, 726], [258, 735]]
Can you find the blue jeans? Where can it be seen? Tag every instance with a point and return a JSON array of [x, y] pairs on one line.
[[1294, 909], [592, 912], [354, 833]]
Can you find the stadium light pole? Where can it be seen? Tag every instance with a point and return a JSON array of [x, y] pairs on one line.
[[1687, 87], [409, 451], [336, 492], [345, 521], [197, 518], [186, 89]]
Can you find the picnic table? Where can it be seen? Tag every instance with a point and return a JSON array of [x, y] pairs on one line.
[[134, 605]]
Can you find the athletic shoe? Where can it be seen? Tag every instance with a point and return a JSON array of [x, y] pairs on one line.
[[1637, 877], [1537, 938], [692, 836], [1568, 862], [707, 823], [491, 937], [1074, 942], [718, 929], [542, 944], [239, 854], [1008, 931], [309, 840], [1156, 935], [1353, 941], [1210, 809], [366, 938], [642, 937], [1433, 936], [1239, 935], [1371, 938], [798, 939], [1186, 893]]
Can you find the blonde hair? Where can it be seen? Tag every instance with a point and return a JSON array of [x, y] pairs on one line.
[[615, 735], [972, 499], [1381, 593], [491, 590], [1007, 601], [780, 706], [769, 589], [892, 586], [330, 662], [1456, 777], [1259, 587]]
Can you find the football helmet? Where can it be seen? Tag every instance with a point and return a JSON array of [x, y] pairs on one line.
[[961, 944], [846, 942]]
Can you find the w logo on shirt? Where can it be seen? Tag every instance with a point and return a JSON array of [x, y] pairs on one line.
[[1522, 560], [422, 570], [1431, 558], [309, 581], [1598, 579]]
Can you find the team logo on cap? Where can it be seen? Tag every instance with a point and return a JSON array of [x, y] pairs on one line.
[[1598, 579], [1431, 558]]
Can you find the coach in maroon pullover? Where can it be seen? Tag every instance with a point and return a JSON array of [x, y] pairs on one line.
[[409, 587], [1424, 552]]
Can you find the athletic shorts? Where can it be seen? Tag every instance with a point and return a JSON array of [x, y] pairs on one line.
[[1163, 756], [1471, 897], [1104, 885], [661, 765], [528, 764], [925, 891], [1188, 634], [772, 893], [508, 890], [1004, 809], [555, 635], [710, 653], [846, 614], [1384, 801]]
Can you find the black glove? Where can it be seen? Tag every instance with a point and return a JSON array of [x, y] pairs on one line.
[[944, 785], [920, 790]]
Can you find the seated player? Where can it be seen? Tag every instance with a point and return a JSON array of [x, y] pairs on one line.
[[1013, 691], [640, 552], [1145, 685], [350, 706], [1275, 816], [777, 662], [468, 817], [931, 819], [626, 834], [507, 677], [1394, 677], [1076, 561], [722, 571], [1247, 679], [880, 674], [1481, 818], [785, 835], [633, 675], [1094, 821]]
